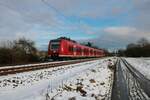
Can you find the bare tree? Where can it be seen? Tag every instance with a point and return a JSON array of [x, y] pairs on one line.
[[18, 52], [25, 45], [143, 41]]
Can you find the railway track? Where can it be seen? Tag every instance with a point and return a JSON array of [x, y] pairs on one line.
[[141, 81], [119, 90], [129, 84], [132, 77], [14, 70]]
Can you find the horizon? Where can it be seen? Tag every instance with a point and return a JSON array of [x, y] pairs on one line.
[[107, 24]]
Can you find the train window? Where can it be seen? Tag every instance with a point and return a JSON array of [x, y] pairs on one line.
[[94, 52], [78, 49], [84, 50], [71, 48], [91, 51], [74, 49], [55, 45]]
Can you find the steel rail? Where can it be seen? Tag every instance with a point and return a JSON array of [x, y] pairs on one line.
[[6, 71]]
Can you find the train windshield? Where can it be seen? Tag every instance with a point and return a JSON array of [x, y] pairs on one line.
[[55, 45]]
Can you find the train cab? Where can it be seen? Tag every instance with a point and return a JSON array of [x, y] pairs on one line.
[[54, 48]]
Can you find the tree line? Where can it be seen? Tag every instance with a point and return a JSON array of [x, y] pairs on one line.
[[139, 49], [19, 51], [23, 51]]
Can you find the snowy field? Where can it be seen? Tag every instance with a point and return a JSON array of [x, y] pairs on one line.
[[84, 81], [146, 59], [141, 64]]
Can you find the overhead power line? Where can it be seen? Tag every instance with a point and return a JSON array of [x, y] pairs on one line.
[[53, 8]]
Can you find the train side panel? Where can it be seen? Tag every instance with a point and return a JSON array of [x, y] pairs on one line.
[[66, 48]]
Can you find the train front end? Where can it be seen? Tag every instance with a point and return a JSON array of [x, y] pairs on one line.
[[54, 48]]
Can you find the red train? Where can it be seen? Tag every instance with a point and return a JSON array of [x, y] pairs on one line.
[[66, 48]]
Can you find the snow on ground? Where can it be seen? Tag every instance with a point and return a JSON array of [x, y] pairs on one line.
[[93, 84], [35, 85], [146, 59], [141, 64]]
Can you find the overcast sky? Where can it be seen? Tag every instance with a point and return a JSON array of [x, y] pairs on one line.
[[110, 24]]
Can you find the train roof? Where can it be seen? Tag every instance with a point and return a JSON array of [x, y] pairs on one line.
[[65, 38]]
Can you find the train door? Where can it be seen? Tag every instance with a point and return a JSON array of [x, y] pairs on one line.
[[82, 51], [74, 50]]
